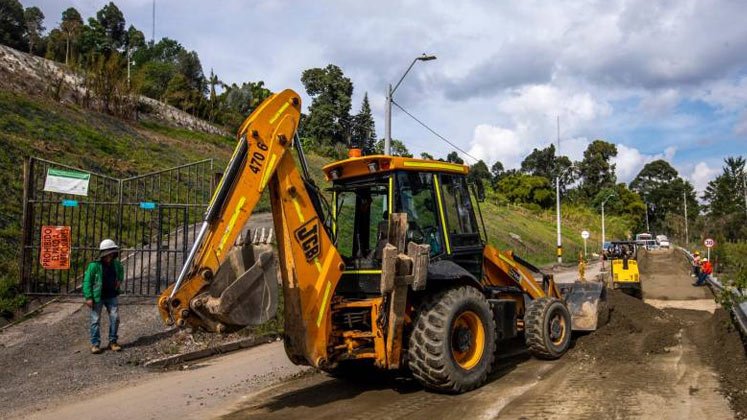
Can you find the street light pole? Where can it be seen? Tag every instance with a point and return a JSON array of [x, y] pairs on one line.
[[687, 235], [390, 93], [603, 231], [557, 215]]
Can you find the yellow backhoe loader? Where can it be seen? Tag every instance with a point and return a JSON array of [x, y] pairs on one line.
[[395, 271]]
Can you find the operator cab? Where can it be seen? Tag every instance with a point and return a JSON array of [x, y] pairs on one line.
[[435, 196]]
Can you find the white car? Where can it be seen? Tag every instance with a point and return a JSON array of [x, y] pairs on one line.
[[664, 244]]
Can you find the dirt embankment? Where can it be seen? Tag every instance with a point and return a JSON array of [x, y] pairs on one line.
[[639, 337], [635, 331]]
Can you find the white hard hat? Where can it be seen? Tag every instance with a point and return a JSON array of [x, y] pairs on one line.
[[107, 246], [705, 259]]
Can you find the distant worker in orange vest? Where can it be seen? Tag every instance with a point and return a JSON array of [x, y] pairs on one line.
[[706, 269]]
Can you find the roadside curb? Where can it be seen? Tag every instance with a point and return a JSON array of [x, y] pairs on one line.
[[178, 359]]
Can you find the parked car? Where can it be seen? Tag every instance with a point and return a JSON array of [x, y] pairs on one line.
[[664, 244]]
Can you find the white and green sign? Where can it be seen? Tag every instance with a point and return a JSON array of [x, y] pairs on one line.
[[66, 181]]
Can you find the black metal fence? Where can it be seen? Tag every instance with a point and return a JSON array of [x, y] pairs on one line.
[[152, 217]]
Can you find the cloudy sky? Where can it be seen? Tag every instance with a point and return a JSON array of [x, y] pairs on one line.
[[663, 79]]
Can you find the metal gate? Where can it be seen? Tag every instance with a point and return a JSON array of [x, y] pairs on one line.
[[152, 217]]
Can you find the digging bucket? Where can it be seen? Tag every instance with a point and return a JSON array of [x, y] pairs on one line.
[[244, 291], [587, 302]]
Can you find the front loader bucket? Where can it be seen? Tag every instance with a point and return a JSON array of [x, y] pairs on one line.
[[587, 302], [244, 291]]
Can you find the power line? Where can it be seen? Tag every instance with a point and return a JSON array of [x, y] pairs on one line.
[[434, 132]]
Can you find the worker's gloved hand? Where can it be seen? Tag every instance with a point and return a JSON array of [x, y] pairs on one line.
[[89, 303]]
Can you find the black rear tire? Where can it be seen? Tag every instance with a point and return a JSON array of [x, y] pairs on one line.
[[547, 326], [452, 345]]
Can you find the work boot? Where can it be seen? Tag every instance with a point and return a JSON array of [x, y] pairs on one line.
[[96, 350], [114, 347]]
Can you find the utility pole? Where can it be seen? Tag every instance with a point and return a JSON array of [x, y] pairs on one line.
[[153, 33], [388, 122], [648, 230], [129, 61], [557, 203], [687, 235], [744, 188]]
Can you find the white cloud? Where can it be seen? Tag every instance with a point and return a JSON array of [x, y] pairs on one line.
[[629, 161], [701, 175], [529, 114]]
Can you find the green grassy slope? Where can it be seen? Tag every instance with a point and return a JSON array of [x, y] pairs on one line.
[[538, 234]]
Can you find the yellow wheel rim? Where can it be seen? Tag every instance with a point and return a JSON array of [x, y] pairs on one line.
[[557, 328], [467, 339]]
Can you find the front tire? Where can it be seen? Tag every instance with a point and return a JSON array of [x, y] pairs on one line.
[[547, 328], [452, 344]]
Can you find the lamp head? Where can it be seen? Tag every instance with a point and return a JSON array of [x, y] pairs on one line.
[[426, 57]]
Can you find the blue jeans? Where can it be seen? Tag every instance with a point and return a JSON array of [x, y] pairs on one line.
[[702, 277], [113, 310]]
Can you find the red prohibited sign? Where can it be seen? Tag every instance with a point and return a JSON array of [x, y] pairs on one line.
[[54, 253], [709, 243]]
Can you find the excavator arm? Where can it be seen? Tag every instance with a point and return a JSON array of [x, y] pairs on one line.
[[227, 284]]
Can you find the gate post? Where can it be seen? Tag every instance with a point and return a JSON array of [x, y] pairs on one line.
[[26, 222]]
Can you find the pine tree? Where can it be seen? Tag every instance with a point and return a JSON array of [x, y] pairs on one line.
[[364, 128]]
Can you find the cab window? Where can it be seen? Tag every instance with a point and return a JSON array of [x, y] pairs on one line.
[[461, 224], [362, 222], [416, 196]]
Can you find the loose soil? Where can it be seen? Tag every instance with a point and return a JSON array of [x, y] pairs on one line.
[[635, 331], [727, 352]]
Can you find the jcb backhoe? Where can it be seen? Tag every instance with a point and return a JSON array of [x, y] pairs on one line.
[[394, 272]]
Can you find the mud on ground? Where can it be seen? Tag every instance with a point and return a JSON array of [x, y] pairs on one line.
[[46, 360]]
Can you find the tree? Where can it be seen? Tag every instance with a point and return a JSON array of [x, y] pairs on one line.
[[34, 23], [329, 113], [71, 27], [56, 46], [595, 169], [453, 157], [544, 163], [497, 171], [659, 185], [152, 78], [398, 148], [364, 128], [188, 64], [724, 197], [427, 156], [179, 93], [112, 22], [478, 172], [12, 24], [134, 39], [213, 81], [526, 189], [725, 194]]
